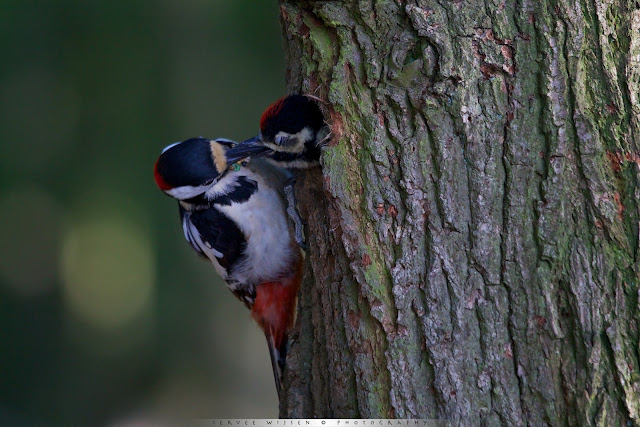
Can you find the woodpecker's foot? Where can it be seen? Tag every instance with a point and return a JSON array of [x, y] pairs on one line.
[[292, 211]]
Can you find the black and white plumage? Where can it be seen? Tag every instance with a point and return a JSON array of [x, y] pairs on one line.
[[244, 230], [237, 219]]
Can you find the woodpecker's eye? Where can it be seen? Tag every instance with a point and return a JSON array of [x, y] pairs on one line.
[[281, 140]]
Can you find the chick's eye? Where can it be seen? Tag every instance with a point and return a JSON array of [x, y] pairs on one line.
[[281, 139]]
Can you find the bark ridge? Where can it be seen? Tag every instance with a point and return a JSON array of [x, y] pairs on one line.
[[474, 228]]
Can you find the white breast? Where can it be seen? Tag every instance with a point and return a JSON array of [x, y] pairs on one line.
[[263, 221]]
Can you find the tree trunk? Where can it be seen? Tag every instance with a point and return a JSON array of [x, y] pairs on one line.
[[473, 232]]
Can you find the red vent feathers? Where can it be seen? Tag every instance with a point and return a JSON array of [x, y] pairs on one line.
[[271, 111], [275, 305]]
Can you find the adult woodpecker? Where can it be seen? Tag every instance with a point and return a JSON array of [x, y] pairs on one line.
[[293, 127], [235, 217]]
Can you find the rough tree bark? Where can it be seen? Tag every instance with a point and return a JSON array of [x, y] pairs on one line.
[[474, 228]]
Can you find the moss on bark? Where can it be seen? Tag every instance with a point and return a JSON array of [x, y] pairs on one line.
[[474, 229]]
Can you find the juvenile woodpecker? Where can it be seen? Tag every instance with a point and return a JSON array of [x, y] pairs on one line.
[[235, 217], [293, 127]]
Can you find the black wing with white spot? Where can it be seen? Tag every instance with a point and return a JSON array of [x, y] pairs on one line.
[[210, 232]]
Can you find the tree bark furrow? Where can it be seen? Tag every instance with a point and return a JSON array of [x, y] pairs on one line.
[[474, 233]]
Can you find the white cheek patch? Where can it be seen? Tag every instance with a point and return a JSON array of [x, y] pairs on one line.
[[274, 147], [295, 142], [186, 191], [306, 134]]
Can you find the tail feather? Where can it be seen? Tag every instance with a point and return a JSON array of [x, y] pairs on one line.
[[278, 360]]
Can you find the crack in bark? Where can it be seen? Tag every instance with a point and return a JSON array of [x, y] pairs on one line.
[[503, 354]]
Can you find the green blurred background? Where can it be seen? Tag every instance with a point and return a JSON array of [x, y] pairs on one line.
[[108, 316]]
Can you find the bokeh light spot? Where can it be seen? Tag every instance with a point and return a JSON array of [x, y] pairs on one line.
[[30, 231], [108, 272]]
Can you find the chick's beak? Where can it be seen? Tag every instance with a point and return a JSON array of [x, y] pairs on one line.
[[249, 148]]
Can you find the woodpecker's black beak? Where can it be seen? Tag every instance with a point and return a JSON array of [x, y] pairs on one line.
[[249, 148]]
